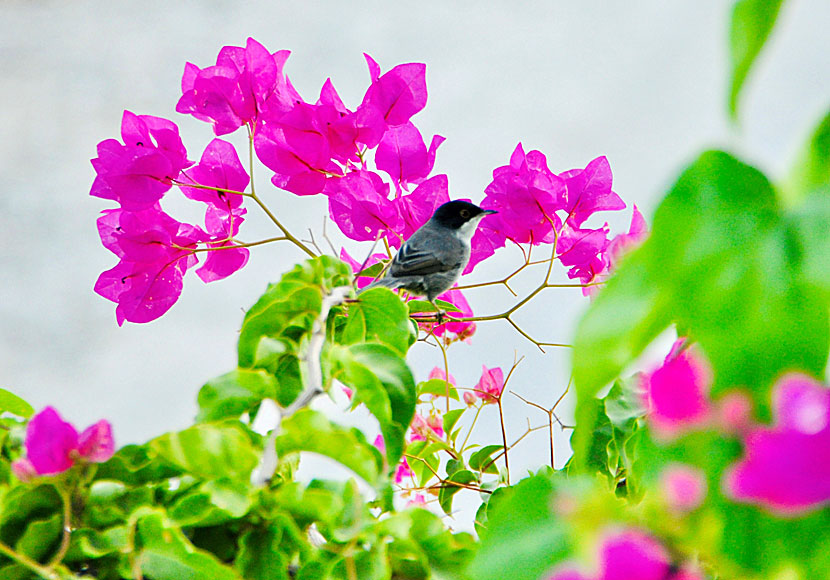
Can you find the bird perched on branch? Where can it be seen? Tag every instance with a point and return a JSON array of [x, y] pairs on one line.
[[432, 259]]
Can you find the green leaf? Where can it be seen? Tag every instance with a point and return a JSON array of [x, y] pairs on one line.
[[420, 306], [287, 310], [311, 431], [136, 465], [318, 502], [723, 264], [521, 535], [235, 393], [112, 502], [384, 383], [41, 537], [448, 491], [447, 552], [210, 451], [437, 388], [88, 544], [451, 418], [752, 22], [11, 403], [810, 226], [379, 316], [23, 505], [481, 459], [211, 503], [371, 271], [259, 555], [166, 554], [811, 171]]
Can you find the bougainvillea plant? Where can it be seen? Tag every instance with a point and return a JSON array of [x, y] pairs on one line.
[[712, 464]]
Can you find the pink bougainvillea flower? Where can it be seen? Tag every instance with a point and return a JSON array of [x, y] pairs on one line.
[[359, 206], [295, 146], [490, 385], [225, 257], [244, 81], [624, 243], [438, 373], [348, 130], [138, 172], [404, 156], [398, 94], [527, 195], [734, 412], [418, 500], [155, 252], [23, 470], [629, 554], [54, 445], [683, 487], [486, 240], [589, 191], [677, 393], [416, 208], [403, 470], [584, 251], [219, 167], [786, 466], [421, 427], [470, 398]]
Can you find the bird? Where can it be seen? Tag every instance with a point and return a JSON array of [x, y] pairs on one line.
[[432, 259]]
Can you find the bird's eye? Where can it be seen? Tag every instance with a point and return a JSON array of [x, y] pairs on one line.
[[465, 213]]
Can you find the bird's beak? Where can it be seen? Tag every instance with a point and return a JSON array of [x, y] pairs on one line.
[[489, 211]]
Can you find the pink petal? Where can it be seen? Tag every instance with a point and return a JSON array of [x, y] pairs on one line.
[[219, 167], [220, 264], [416, 208], [24, 470], [786, 467], [50, 442], [678, 394], [490, 385], [633, 554], [589, 191], [683, 487], [96, 443], [400, 93]]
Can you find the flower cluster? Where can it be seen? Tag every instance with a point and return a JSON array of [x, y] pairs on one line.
[[154, 249], [537, 207], [785, 467], [54, 445], [489, 386]]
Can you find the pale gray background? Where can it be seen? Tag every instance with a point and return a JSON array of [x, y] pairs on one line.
[[642, 82]]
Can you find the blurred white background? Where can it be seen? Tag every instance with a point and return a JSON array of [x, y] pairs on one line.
[[641, 82]]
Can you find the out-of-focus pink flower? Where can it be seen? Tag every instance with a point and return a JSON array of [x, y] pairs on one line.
[[23, 470], [490, 385], [404, 156], [469, 398], [734, 412], [244, 81], [589, 191], [683, 487], [421, 427], [438, 373], [624, 243], [54, 445], [629, 554], [418, 500], [677, 394], [403, 470], [138, 172], [786, 467]]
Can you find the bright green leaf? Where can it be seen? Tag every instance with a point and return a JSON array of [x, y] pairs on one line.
[[235, 393], [379, 316], [211, 451], [11, 403], [448, 491], [311, 431], [811, 172], [481, 459], [437, 388], [451, 418], [752, 22]]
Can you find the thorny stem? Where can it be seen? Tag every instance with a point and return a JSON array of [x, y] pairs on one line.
[[551, 416], [475, 418], [501, 417]]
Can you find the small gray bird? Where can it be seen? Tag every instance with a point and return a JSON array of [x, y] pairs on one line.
[[432, 259]]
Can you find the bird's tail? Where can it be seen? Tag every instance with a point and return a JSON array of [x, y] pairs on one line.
[[391, 283]]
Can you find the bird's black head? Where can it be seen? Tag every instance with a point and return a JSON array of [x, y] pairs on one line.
[[455, 214]]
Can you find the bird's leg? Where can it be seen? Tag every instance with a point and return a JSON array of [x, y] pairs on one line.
[[439, 314]]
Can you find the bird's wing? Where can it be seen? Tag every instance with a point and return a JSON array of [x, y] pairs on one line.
[[414, 260]]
